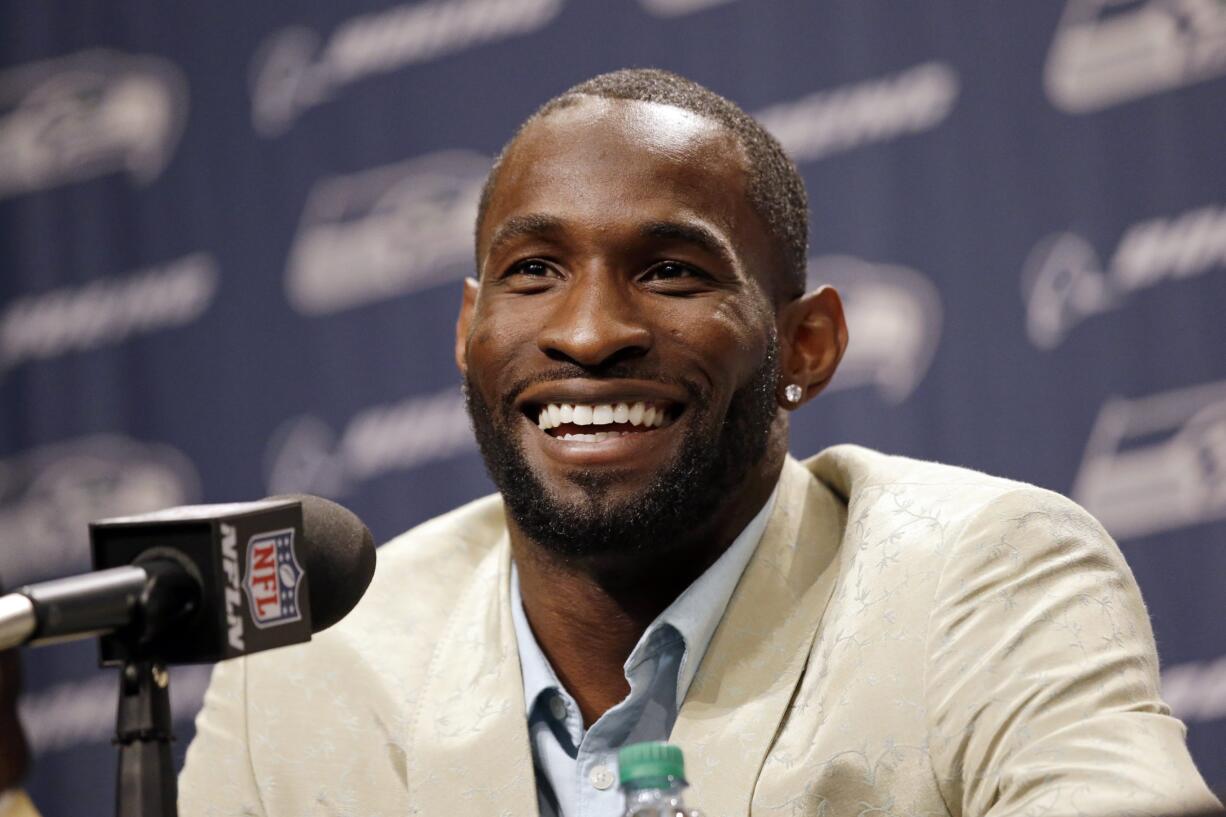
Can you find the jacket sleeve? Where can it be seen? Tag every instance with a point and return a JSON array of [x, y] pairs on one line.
[[1041, 681], [218, 777]]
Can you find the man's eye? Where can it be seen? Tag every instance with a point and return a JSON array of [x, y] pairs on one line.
[[671, 270], [536, 269]]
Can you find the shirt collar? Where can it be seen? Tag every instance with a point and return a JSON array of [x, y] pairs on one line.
[[695, 614], [539, 677]]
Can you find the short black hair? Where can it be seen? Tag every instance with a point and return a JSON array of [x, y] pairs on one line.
[[776, 191]]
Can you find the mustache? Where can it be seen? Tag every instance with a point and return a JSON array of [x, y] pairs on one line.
[[614, 371]]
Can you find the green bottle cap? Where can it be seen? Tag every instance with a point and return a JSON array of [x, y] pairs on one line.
[[653, 765]]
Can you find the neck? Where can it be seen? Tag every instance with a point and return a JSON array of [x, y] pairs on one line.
[[588, 615]]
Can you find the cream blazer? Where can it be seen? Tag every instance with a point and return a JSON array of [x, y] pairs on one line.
[[908, 639]]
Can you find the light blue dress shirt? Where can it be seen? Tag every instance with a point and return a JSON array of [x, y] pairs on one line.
[[576, 769]]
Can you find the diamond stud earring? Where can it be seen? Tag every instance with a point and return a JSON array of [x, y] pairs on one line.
[[792, 393]]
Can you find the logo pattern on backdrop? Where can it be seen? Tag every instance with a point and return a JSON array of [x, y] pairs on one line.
[[294, 71], [50, 494], [895, 313], [393, 230], [1107, 52], [677, 8], [1156, 463], [87, 115], [305, 455], [106, 310], [1064, 283], [876, 110]]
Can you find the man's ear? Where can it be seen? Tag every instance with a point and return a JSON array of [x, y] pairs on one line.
[[463, 323], [812, 339]]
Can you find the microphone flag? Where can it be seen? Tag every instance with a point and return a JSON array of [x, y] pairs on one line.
[[246, 556]]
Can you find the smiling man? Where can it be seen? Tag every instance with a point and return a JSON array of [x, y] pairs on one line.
[[855, 633], [621, 353]]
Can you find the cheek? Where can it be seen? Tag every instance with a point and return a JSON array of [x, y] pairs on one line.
[[741, 328], [727, 341], [482, 339], [498, 332], [742, 323], [492, 345]]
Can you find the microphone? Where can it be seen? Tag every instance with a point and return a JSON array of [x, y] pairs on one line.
[[203, 583]]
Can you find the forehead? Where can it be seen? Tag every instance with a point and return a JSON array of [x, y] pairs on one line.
[[601, 162]]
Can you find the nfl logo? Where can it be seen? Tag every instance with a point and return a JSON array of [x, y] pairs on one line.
[[273, 578]]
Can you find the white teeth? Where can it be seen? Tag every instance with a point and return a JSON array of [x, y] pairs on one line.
[[601, 414]]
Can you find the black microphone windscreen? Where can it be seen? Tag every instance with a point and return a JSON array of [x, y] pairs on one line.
[[339, 558]]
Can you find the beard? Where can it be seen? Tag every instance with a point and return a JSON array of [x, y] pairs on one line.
[[714, 457]]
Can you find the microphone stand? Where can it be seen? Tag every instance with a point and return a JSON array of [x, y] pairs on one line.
[[144, 729], [143, 732]]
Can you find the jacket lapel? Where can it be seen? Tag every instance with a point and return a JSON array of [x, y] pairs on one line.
[[755, 660], [469, 737]]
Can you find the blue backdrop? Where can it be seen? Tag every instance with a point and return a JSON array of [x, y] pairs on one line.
[[233, 234]]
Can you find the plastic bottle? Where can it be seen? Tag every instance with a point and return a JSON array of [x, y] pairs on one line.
[[652, 777]]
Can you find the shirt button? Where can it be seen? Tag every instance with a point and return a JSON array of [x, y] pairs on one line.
[[557, 708], [601, 777]]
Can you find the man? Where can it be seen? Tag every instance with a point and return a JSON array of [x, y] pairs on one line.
[[857, 633]]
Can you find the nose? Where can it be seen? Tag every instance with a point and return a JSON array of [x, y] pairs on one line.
[[596, 323]]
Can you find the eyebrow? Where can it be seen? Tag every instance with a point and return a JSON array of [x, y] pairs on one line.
[[533, 224], [691, 233], [540, 225]]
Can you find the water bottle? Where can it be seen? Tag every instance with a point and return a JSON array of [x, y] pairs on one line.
[[652, 776]]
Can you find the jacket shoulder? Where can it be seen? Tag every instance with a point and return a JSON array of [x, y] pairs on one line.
[[864, 478], [934, 514], [419, 572], [464, 534]]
